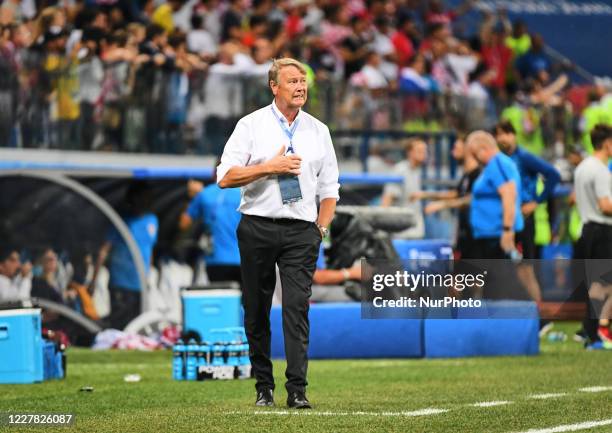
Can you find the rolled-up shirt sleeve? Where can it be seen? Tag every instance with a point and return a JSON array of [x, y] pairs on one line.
[[327, 183], [237, 150]]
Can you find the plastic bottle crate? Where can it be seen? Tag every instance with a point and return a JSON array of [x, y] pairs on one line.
[[225, 359]]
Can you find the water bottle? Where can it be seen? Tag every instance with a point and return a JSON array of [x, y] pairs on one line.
[[177, 361], [515, 256], [218, 353], [556, 336], [204, 354], [244, 354], [192, 360], [233, 350]]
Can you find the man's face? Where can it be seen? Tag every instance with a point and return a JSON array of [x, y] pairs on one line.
[[608, 146], [506, 141], [482, 152], [49, 261], [418, 153], [291, 88], [10, 265], [458, 151], [263, 51]]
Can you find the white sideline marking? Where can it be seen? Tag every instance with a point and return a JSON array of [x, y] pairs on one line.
[[490, 403], [421, 412], [572, 427], [596, 389], [546, 396]]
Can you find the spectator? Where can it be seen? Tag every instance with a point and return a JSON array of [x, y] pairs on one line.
[[163, 14], [231, 27], [530, 64], [403, 41], [371, 75], [355, 48], [480, 109], [124, 284], [46, 285], [498, 57], [519, 41], [62, 70], [404, 194], [199, 40], [211, 16], [436, 14], [10, 12], [91, 74], [15, 277], [223, 99], [592, 115], [382, 45]]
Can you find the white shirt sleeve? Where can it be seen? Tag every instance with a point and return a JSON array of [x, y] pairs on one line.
[[237, 151], [327, 183], [23, 286]]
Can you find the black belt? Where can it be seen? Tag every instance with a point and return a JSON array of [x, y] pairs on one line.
[[596, 224], [283, 221]]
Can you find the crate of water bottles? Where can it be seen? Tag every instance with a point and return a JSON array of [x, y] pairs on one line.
[[224, 355]]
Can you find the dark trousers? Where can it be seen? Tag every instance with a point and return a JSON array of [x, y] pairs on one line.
[[224, 273], [502, 281], [595, 247], [294, 246], [125, 306]]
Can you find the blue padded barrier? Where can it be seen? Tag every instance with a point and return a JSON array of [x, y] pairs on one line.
[[511, 329], [337, 331]]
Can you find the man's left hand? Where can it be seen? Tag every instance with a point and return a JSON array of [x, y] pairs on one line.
[[529, 208], [507, 241]]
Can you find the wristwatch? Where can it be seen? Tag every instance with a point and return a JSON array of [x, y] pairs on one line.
[[324, 230], [507, 229]]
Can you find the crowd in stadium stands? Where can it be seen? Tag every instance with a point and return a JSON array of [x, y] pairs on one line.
[[174, 76]]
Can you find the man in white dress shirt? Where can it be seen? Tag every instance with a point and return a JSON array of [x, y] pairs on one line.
[[283, 158], [15, 277]]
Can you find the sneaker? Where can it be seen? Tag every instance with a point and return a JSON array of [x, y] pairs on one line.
[[605, 334], [298, 400], [580, 336], [545, 326], [265, 397]]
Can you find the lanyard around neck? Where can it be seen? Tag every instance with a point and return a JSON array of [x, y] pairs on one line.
[[288, 132]]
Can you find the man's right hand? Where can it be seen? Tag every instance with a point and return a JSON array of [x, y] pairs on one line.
[[284, 164]]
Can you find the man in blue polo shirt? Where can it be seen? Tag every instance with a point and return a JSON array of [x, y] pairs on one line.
[[530, 168], [124, 284], [216, 209], [495, 210]]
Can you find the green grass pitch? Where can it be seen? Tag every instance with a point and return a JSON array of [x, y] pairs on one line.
[[348, 395]]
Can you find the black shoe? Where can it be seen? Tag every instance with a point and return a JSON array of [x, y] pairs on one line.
[[265, 397], [298, 400], [581, 336]]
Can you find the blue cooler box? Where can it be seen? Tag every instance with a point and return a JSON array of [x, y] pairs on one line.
[[204, 310], [21, 346]]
